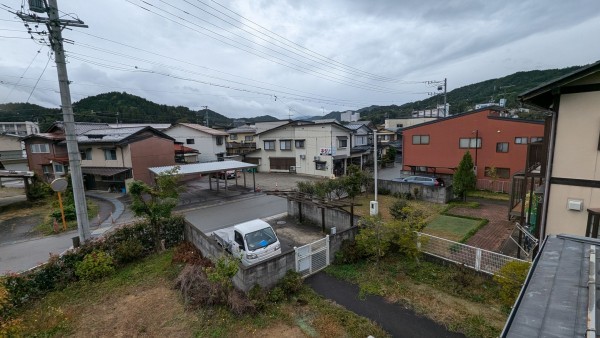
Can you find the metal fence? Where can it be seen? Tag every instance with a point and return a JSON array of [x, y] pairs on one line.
[[312, 257], [495, 186], [476, 258]]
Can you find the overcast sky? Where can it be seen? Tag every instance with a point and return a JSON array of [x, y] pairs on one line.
[[249, 58]]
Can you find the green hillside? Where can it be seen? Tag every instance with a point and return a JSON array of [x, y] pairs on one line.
[[130, 108], [465, 98]]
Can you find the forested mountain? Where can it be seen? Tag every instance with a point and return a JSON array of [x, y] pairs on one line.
[[465, 98], [128, 108]]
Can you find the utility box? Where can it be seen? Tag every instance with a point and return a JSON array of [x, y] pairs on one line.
[[374, 210]]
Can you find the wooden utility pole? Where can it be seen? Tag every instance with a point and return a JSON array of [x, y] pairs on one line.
[[55, 26]]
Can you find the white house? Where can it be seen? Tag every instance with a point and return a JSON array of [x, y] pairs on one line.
[[12, 152], [304, 147], [350, 116], [209, 142], [19, 128]]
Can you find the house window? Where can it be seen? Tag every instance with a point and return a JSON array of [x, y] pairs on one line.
[[320, 165], [420, 139], [46, 169], [520, 140], [299, 144], [537, 139], [249, 138], [86, 154], [469, 143], [281, 163], [502, 147], [342, 142], [399, 125], [269, 145], [189, 141], [500, 172], [219, 140], [233, 137], [361, 140], [285, 144], [58, 168], [110, 154], [40, 148]]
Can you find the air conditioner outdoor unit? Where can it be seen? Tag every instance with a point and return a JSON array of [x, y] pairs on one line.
[[302, 157]]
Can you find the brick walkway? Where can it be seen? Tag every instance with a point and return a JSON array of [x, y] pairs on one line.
[[493, 235]]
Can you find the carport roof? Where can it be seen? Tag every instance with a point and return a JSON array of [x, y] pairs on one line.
[[205, 168]]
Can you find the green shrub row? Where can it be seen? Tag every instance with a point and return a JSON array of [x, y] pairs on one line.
[[93, 259]]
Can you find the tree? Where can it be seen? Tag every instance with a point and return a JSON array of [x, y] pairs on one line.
[[354, 181], [464, 178], [157, 202]]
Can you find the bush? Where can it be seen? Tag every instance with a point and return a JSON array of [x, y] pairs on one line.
[[511, 278], [397, 209], [95, 265], [187, 253], [129, 251], [291, 283], [276, 295], [258, 297], [239, 304], [69, 210], [196, 289], [384, 191], [38, 190], [349, 253]]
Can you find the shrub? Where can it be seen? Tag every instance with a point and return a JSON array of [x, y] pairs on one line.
[[384, 191], [416, 193], [276, 295], [397, 209], [187, 253], [510, 278], [94, 266], [258, 297], [349, 253], [38, 190], [291, 283], [239, 304], [69, 210], [197, 290], [129, 251]]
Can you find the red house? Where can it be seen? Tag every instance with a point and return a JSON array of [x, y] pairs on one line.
[[494, 140]]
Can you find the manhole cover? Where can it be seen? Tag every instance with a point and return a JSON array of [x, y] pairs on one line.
[[281, 222]]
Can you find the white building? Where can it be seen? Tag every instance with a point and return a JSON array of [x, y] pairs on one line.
[[209, 142], [350, 116], [437, 112], [304, 147], [12, 152], [19, 128]]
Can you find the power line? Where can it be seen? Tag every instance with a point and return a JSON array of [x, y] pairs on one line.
[[26, 69], [38, 80], [256, 52]]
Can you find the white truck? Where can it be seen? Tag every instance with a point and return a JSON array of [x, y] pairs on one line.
[[252, 241]]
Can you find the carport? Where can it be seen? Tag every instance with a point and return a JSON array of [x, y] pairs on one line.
[[209, 168]]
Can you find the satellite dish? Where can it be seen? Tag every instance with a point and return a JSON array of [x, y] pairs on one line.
[[59, 185]]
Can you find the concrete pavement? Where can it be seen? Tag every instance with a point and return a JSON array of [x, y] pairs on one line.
[[222, 215]]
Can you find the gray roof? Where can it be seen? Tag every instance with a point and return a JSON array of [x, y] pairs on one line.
[[202, 168], [554, 300], [157, 126], [356, 126], [82, 127], [107, 135], [242, 129]]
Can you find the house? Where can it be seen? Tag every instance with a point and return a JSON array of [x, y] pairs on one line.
[[12, 152], [437, 112], [109, 156], [498, 145], [350, 116], [209, 142], [19, 128], [240, 140], [361, 143], [559, 296], [571, 166], [304, 147]]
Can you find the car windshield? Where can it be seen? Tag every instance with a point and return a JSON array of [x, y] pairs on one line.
[[260, 238]]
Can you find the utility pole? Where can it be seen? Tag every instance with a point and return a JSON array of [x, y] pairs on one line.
[[55, 26], [205, 114], [445, 107]]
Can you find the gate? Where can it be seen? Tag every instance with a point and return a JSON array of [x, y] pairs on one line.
[[313, 257]]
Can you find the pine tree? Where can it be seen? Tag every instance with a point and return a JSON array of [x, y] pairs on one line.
[[464, 177]]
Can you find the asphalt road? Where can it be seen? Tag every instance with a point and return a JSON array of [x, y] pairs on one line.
[[223, 215], [21, 256]]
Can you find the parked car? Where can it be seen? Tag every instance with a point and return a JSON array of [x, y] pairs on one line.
[[425, 180], [222, 175]]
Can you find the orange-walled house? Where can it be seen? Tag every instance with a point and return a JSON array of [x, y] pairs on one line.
[[494, 140]]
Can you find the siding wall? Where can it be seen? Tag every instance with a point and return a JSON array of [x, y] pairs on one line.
[[205, 143]]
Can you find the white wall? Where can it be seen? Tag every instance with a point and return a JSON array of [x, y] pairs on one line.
[[205, 143]]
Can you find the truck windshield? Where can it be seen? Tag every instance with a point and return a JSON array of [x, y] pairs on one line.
[[260, 238]]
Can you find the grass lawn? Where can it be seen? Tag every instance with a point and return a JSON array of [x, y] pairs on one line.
[[450, 227], [490, 195], [429, 209], [138, 300], [456, 297]]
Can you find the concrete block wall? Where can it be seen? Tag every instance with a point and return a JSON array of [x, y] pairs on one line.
[[266, 273], [333, 217], [440, 195], [335, 241]]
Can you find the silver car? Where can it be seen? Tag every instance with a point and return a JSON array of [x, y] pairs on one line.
[[430, 181]]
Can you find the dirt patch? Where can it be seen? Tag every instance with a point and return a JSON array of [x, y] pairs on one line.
[[153, 312], [297, 234]]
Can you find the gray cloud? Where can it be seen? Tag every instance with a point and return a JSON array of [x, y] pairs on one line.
[[466, 41]]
